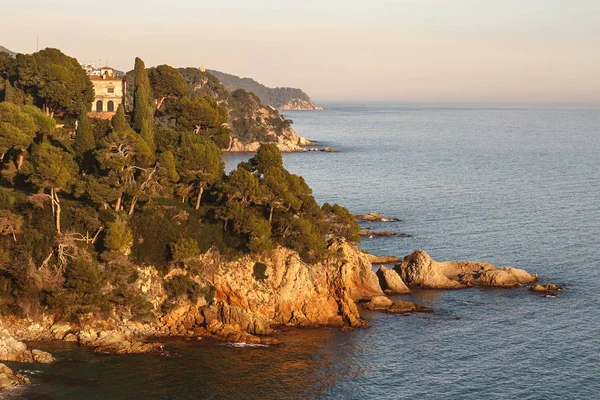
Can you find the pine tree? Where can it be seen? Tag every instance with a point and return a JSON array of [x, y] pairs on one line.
[[119, 122], [142, 96], [147, 133]]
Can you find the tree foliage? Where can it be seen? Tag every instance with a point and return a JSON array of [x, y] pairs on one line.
[[142, 101], [56, 81]]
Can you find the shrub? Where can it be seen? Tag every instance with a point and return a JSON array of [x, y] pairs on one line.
[[184, 249], [118, 238]]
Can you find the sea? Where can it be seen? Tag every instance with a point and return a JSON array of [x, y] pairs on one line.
[[508, 184]]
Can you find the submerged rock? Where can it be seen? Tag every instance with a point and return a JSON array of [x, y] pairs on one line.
[[368, 232], [403, 307], [419, 269], [390, 281]]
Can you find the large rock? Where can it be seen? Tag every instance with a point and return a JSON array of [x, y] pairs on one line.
[[117, 341], [278, 287], [9, 379], [419, 269], [382, 259], [390, 281], [12, 349]]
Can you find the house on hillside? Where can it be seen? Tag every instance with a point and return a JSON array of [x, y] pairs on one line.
[[109, 92]]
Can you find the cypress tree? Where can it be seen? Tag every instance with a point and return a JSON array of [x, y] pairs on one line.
[[147, 133], [9, 92], [84, 137], [142, 96], [119, 122]]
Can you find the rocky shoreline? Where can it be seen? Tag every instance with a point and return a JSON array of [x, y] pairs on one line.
[[247, 308]]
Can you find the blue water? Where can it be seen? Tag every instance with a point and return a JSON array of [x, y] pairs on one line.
[[509, 185]]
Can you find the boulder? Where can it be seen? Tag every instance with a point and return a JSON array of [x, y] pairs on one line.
[[373, 259], [14, 350], [390, 281], [374, 217], [368, 232], [10, 379], [403, 307], [117, 342], [547, 288], [419, 269], [378, 303]]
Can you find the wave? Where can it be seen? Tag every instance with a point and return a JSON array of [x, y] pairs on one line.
[[244, 344]]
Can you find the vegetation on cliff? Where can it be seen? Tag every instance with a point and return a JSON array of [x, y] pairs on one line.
[[80, 216], [280, 97], [193, 99]]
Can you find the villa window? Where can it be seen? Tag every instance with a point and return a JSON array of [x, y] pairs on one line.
[[110, 106], [99, 106], [111, 90]]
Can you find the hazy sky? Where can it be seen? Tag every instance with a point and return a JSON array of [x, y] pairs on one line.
[[407, 50]]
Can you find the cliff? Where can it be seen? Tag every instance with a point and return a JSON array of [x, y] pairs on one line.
[[250, 297], [282, 98]]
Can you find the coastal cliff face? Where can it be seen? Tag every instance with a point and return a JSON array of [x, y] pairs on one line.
[[278, 288], [251, 296], [300, 105], [274, 129], [281, 98]]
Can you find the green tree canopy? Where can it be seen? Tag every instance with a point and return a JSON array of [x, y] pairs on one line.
[[56, 81], [17, 128], [53, 169], [119, 121], [143, 108], [199, 165], [166, 81]]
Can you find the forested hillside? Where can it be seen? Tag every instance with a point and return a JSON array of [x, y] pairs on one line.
[[280, 97], [82, 213]]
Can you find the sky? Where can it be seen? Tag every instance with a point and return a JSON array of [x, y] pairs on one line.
[[523, 51]]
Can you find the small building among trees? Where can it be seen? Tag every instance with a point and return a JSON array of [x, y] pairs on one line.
[[109, 92]]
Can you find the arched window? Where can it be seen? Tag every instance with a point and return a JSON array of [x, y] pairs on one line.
[[99, 106], [110, 106]]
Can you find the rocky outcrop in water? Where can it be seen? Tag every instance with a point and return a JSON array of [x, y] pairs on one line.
[[374, 217], [418, 269], [382, 303], [390, 281], [10, 379], [12, 349]]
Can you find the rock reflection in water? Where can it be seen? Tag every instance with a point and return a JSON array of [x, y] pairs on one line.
[[310, 364]]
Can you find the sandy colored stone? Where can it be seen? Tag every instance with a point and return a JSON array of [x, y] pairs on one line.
[[12, 349], [10, 379], [390, 281], [419, 269], [373, 259]]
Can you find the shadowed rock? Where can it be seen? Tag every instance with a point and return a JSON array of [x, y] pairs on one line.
[[390, 281]]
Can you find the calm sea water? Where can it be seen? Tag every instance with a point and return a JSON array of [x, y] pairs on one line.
[[512, 186]]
